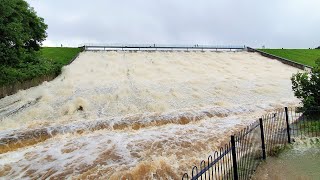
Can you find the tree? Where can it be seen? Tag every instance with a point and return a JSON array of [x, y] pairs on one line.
[[21, 32], [306, 87], [318, 47]]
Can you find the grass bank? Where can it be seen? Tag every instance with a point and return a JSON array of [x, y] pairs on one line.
[[303, 56], [52, 59]]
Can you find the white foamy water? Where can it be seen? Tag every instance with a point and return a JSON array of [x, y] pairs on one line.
[[139, 115]]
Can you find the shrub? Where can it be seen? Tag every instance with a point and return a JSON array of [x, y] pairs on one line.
[[306, 87]]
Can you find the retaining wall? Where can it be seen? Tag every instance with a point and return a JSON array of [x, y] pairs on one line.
[[283, 60], [10, 89]]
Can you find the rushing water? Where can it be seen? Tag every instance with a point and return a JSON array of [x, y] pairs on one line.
[[299, 162], [139, 115]]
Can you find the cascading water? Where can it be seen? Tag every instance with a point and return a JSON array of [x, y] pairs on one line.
[[136, 114]]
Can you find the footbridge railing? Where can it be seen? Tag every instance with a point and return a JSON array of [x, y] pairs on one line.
[[155, 47]]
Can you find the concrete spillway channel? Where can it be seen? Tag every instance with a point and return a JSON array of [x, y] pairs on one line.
[[137, 114]]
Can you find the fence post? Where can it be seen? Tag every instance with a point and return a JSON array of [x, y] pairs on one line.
[[288, 126], [234, 158], [262, 140]]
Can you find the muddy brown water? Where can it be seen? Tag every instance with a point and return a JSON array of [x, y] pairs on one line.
[[140, 115]]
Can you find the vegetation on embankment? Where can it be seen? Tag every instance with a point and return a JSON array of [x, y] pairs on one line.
[[51, 60], [303, 56]]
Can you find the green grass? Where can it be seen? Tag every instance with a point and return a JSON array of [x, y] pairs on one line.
[[303, 56], [59, 55], [51, 60]]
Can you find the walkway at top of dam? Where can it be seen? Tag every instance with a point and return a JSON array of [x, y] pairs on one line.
[[148, 47]]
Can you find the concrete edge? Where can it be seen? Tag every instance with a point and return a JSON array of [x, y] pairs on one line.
[[283, 60]]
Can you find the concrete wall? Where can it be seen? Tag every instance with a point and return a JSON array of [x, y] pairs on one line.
[[14, 88], [283, 60]]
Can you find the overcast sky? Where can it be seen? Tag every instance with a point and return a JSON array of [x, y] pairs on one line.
[[273, 23]]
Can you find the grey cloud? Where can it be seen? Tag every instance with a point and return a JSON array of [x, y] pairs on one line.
[[274, 23]]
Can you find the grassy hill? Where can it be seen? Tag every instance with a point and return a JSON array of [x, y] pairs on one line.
[[59, 55], [303, 56], [52, 59]]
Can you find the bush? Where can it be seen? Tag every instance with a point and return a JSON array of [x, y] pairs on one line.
[[306, 87], [51, 60]]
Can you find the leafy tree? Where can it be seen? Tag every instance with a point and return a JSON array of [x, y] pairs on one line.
[[21, 32], [318, 47], [306, 87]]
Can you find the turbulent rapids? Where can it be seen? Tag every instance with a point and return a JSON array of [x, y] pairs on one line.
[[138, 115]]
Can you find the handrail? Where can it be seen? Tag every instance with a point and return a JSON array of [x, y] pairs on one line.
[[160, 46]]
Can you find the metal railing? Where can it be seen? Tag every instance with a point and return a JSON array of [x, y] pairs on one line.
[[104, 47], [239, 158]]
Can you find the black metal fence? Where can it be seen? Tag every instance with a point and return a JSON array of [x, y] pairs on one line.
[[247, 149]]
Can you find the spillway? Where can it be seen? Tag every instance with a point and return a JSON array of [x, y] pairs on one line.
[[138, 114]]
